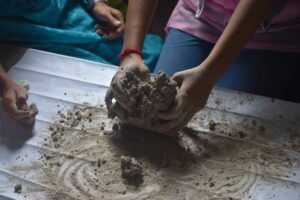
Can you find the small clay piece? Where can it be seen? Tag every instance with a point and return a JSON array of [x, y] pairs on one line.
[[145, 99], [32, 109], [131, 170], [18, 188], [212, 126], [23, 107]]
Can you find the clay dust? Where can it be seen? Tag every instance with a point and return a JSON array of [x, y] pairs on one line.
[[88, 156]]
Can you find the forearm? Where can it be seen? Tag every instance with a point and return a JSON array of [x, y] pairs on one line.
[[139, 16], [242, 25]]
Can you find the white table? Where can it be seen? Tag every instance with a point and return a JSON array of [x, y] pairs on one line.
[[244, 121]]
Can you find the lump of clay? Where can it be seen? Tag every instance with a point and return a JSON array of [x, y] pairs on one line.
[[147, 99], [32, 109], [131, 170]]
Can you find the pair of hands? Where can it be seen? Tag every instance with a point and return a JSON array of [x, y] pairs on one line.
[[194, 85], [112, 21], [14, 95]]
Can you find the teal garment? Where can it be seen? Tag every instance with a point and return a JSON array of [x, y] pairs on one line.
[[64, 27]]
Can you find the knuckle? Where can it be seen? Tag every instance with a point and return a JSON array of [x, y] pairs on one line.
[[8, 99]]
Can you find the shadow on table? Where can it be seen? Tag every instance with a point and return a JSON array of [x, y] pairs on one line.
[[13, 134], [176, 153]]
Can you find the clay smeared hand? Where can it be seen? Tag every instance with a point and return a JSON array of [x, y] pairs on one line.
[[195, 86], [113, 21], [116, 91], [14, 102]]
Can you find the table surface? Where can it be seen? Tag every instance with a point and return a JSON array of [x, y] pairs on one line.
[[268, 129]]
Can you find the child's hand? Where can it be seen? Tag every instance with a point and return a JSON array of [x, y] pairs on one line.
[[112, 25], [14, 95], [115, 91], [195, 86]]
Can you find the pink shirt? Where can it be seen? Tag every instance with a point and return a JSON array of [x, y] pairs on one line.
[[206, 19]]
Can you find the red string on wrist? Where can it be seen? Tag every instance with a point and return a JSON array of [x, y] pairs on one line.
[[128, 51]]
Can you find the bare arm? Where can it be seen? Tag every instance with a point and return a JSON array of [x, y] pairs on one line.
[[139, 16], [242, 25], [13, 94], [197, 83]]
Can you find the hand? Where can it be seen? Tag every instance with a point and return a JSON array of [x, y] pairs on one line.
[[112, 25], [195, 86], [122, 106], [15, 96]]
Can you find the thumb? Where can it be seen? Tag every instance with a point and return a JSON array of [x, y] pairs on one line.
[[178, 78], [112, 20]]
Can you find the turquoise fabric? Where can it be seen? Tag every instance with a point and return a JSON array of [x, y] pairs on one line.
[[64, 27]]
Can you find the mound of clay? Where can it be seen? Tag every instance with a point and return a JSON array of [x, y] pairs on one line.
[[131, 170], [147, 99]]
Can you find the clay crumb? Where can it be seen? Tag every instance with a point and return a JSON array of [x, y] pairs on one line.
[[131, 170], [18, 188], [212, 126], [241, 134]]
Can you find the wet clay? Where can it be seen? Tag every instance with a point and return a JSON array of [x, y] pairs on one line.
[[18, 188], [131, 170], [32, 108], [147, 99], [89, 157]]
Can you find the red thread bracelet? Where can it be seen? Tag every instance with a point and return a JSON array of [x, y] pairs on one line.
[[128, 51]]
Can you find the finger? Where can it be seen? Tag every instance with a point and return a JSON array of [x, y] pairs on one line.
[[108, 101], [178, 78], [19, 114], [111, 36], [24, 83], [22, 96], [118, 15], [10, 103], [121, 96], [166, 127], [108, 97], [120, 29], [102, 33], [181, 125], [105, 28], [113, 21], [33, 112], [119, 111], [124, 101], [180, 105]]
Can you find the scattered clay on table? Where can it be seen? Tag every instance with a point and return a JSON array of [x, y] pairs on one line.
[[147, 99]]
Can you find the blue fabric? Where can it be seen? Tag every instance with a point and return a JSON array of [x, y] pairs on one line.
[[65, 27], [268, 73]]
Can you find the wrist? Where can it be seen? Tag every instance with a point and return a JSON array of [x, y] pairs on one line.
[[213, 70], [130, 52], [205, 73], [133, 58]]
